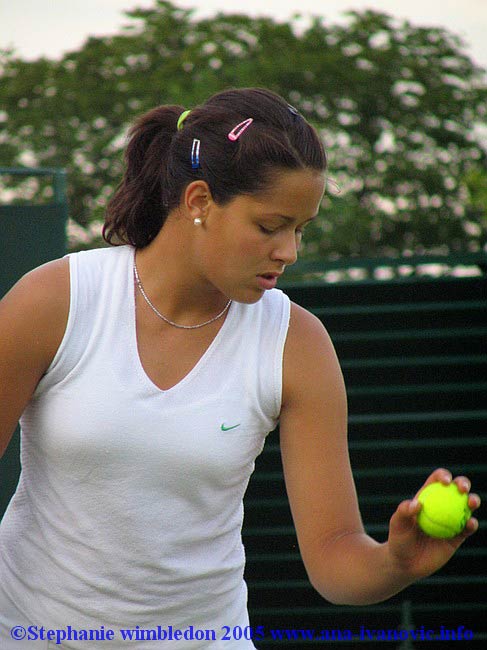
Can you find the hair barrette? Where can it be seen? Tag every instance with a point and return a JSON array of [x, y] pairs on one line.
[[181, 119], [237, 131], [195, 154]]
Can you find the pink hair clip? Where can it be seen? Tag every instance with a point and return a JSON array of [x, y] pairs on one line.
[[236, 132]]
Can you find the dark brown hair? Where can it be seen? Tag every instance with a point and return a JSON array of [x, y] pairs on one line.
[[158, 157]]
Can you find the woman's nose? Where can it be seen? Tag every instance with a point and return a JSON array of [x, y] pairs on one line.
[[286, 251]]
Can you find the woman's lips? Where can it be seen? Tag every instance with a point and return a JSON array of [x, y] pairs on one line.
[[268, 280]]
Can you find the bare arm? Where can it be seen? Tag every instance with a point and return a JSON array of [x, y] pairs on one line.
[[33, 317], [344, 564]]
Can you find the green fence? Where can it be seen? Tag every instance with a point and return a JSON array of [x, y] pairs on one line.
[[29, 236], [414, 355]]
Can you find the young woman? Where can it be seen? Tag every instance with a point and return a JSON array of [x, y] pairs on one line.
[[146, 376]]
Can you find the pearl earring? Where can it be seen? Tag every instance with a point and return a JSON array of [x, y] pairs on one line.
[[197, 221]]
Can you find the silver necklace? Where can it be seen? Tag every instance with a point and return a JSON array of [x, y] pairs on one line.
[[166, 320]]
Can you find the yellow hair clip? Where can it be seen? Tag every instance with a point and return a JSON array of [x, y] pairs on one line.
[[181, 119]]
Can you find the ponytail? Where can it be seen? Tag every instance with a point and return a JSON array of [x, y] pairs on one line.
[[138, 209]]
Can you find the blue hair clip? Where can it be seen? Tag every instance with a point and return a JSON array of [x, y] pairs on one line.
[[195, 154], [293, 111]]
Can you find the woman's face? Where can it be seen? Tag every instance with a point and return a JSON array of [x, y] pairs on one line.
[[247, 243]]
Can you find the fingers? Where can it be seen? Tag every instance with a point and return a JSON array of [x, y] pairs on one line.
[[464, 485], [413, 508], [404, 518], [444, 476], [440, 475], [474, 501], [471, 527]]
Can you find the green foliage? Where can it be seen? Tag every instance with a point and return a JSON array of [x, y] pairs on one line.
[[399, 108]]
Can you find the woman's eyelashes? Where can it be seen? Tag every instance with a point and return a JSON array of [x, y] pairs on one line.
[[266, 230], [269, 231]]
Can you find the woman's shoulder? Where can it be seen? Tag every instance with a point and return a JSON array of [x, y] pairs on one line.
[[37, 306], [309, 357], [33, 318], [303, 321], [45, 289]]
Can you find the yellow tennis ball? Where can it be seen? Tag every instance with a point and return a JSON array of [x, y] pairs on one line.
[[444, 511]]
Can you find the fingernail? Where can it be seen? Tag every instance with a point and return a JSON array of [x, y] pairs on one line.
[[474, 525]]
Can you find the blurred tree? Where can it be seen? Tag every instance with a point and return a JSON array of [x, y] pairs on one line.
[[400, 109]]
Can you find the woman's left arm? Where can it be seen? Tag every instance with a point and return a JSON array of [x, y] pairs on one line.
[[344, 564]]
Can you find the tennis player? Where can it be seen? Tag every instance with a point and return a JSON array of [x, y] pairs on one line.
[[146, 376]]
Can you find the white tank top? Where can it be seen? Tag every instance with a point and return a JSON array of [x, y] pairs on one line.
[[129, 506]]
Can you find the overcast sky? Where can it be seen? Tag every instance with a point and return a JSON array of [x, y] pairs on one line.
[[52, 27]]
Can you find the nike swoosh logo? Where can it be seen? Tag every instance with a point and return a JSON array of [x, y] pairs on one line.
[[224, 428]]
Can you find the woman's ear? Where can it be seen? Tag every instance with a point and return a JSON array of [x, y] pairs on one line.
[[196, 200]]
